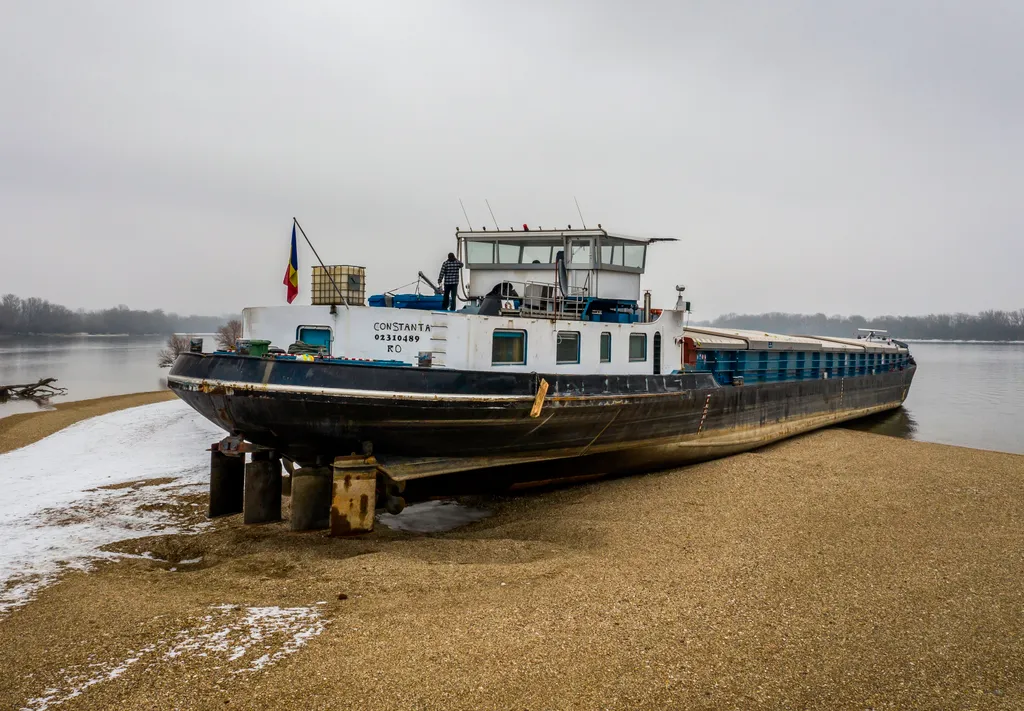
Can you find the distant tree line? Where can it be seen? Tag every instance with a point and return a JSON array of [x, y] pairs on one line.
[[984, 326], [35, 315]]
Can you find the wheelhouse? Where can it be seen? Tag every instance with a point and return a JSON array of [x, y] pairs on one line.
[[583, 274], [589, 263]]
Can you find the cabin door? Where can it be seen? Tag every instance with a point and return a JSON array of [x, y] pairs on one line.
[[657, 353]]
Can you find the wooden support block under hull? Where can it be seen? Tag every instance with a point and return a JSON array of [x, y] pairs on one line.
[[353, 498], [262, 489], [312, 493], [227, 477]]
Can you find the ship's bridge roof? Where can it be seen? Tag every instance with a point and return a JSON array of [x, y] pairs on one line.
[[551, 236]]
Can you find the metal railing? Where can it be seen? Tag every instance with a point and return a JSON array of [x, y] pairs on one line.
[[542, 300]]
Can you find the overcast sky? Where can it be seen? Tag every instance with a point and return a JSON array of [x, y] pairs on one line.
[[846, 157]]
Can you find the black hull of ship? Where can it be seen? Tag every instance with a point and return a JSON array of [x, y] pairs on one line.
[[430, 421]]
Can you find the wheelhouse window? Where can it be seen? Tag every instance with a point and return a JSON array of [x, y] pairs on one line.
[[622, 254], [579, 252], [508, 253], [567, 347], [634, 255], [490, 254], [606, 347], [508, 348], [611, 254], [538, 254], [637, 347], [480, 252], [315, 336]]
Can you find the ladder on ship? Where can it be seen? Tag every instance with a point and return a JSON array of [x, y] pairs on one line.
[[438, 339]]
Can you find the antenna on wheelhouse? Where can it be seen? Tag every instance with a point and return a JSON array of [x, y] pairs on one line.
[[464, 214], [488, 203], [584, 222]]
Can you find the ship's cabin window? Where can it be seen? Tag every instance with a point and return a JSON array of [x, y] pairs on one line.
[[315, 336], [621, 254], [634, 255], [606, 347], [538, 254], [567, 347], [508, 348], [611, 254], [490, 253], [480, 252], [637, 347], [509, 253], [580, 251]]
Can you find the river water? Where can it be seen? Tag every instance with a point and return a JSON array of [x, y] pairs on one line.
[[88, 366], [967, 394]]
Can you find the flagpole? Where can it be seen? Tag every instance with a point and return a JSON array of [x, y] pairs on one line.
[[326, 270]]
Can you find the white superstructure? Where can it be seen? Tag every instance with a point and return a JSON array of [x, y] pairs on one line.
[[467, 341], [565, 301], [553, 301]]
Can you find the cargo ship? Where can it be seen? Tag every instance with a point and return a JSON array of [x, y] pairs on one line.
[[556, 355]]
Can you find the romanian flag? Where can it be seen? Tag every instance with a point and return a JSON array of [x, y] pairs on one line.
[[291, 274]]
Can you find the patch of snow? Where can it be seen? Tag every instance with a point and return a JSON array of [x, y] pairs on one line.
[[53, 514], [432, 517], [55, 696], [228, 631]]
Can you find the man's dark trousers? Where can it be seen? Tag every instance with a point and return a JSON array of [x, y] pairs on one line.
[[449, 297]]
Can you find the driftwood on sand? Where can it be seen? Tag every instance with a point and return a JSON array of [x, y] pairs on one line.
[[39, 391]]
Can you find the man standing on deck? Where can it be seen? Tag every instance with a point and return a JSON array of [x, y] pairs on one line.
[[449, 281]]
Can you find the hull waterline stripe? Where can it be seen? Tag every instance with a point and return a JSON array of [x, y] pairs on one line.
[[204, 383], [201, 383]]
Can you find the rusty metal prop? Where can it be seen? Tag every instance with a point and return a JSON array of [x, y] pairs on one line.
[[354, 495]]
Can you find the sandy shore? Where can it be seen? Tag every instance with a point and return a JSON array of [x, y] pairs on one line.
[[25, 428], [841, 570]]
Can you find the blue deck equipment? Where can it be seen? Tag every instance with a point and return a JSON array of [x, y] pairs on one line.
[[419, 302]]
